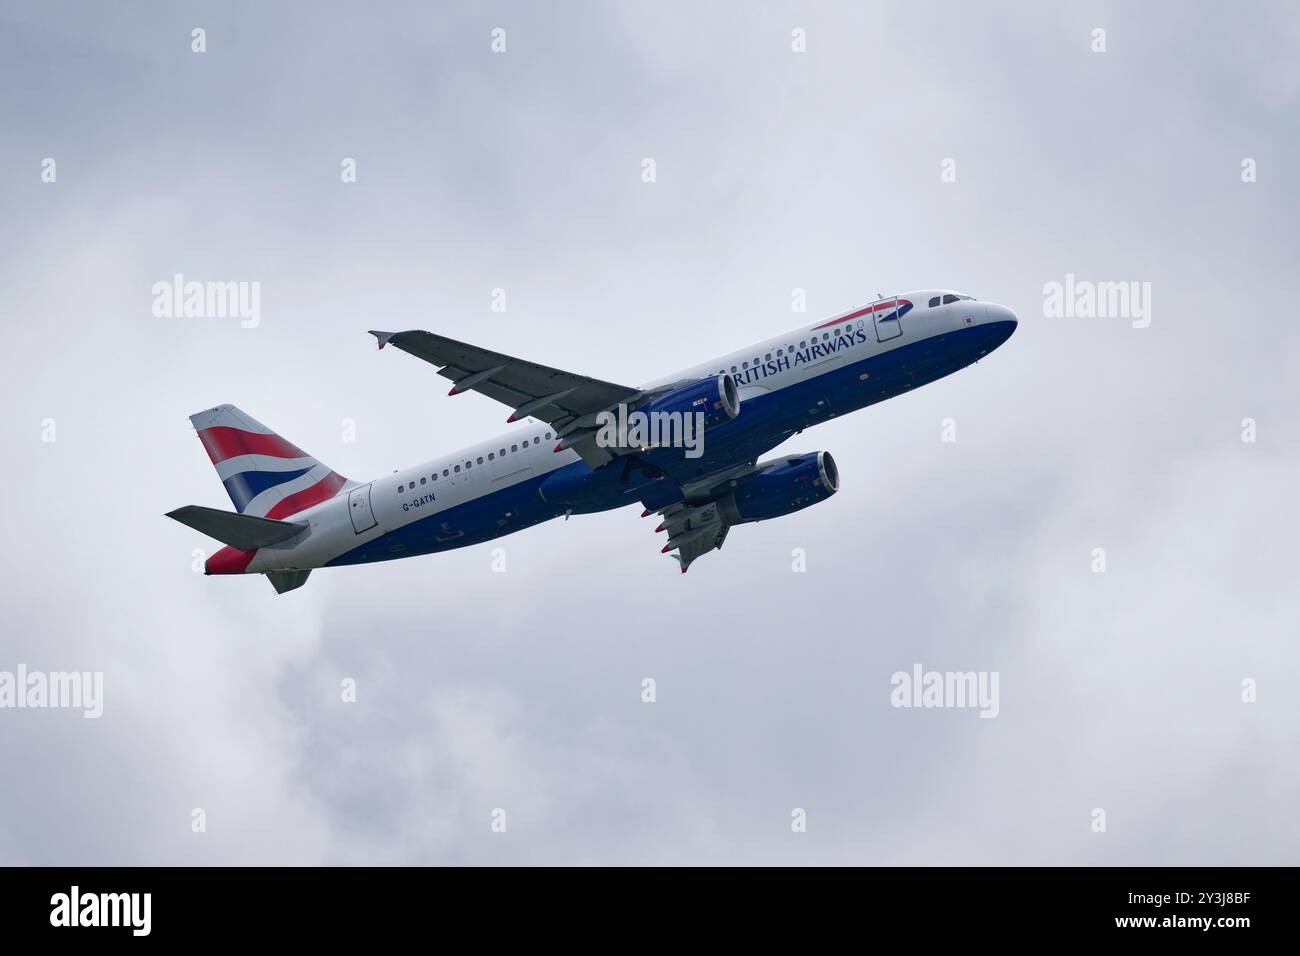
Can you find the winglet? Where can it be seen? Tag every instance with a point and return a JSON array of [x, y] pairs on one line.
[[383, 337]]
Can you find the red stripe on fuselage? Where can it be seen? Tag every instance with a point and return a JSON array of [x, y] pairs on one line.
[[327, 487], [847, 318], [222, 442], [892, 303]]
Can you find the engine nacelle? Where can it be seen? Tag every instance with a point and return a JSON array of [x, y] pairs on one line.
[[781, 488], [715, 397]]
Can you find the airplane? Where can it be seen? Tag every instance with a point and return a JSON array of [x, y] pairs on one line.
[[294, 514]]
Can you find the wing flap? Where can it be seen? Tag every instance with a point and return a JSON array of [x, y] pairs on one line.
[[693, 531], [700, 545]]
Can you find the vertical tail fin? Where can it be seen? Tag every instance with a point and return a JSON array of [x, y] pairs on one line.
[[264, 475]]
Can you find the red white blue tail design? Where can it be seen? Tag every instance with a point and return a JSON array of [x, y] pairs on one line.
[[264, 475]]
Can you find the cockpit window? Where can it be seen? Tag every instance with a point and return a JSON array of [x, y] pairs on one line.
[[949, 299], [934, 302]]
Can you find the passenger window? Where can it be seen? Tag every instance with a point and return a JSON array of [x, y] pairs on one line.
[[780, 352], [514, 447], [492, 456], [502, 453], [548, 436], [733, 370], [480, 459], [536, 440], [826, 336], [444, 473], [458, 469], [803, 345], [769, 357], [744, 365], [400, 489], [423, 480]]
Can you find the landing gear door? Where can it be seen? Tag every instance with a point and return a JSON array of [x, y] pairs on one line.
[[363, 517], [888, 324]]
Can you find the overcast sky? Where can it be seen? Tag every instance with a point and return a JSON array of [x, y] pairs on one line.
[[775, 170]]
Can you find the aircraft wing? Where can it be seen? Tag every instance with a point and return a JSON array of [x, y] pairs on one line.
[[694, 525], [693, 531], [565, 400]]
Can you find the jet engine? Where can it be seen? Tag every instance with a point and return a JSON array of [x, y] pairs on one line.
[[716, 397], [782, 487]]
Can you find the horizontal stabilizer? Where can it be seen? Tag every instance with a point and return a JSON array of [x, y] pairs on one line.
[[287, 580], [245, 532]]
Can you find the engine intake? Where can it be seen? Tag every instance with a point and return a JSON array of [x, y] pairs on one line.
[[782, 487], [716, 397]]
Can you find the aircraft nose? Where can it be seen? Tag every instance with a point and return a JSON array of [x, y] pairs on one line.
[[1000, 313], [1002, 318], [1001, 323]]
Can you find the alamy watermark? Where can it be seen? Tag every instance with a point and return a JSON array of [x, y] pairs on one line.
[[64, 690], [946, 689], [655, 429], [1084, 299], [129, 910], [181, 299]]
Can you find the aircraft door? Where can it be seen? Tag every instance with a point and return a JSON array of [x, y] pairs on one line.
[[363, 516], [885, 318], [888, 324]]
